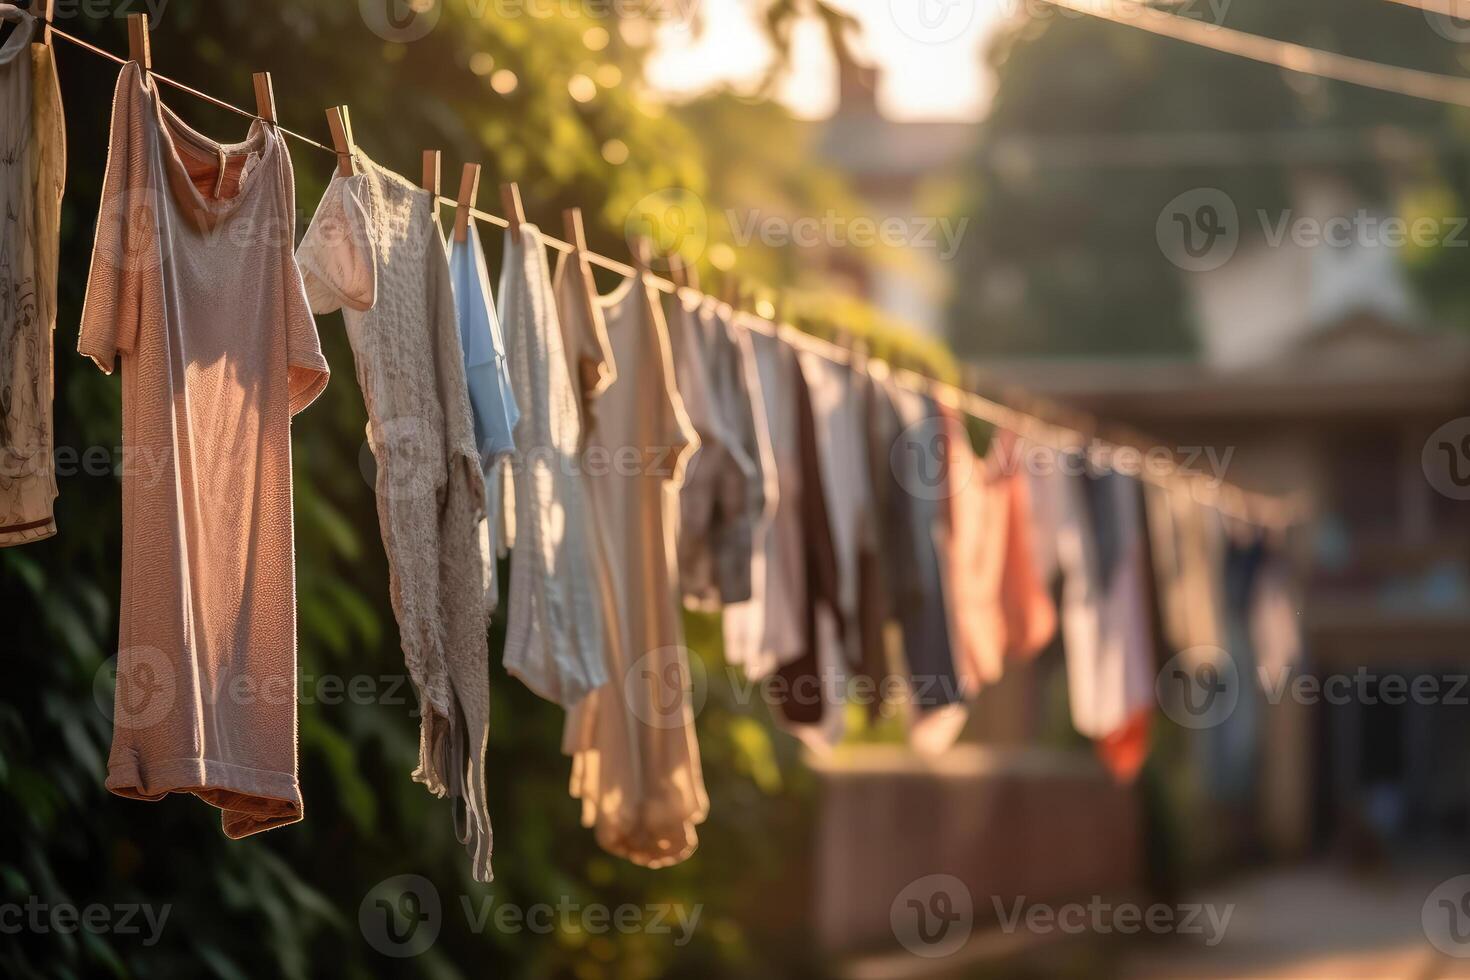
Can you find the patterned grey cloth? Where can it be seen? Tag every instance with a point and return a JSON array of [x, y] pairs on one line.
[[554, 631], [374, 250], [32, 174]]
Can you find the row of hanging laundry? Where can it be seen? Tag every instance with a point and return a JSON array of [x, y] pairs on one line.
[[630, 452]]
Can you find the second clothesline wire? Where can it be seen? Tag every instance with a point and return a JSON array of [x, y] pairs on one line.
[[1248, 506]]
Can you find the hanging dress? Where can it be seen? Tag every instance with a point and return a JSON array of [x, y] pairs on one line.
[[636, 764]]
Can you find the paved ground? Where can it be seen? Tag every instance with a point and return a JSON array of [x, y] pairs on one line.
[[1310, 923]]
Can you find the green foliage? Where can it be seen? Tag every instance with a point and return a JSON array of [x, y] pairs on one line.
[[287, 902], [1096, 126]]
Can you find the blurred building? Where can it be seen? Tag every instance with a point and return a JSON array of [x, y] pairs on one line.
[[1321, 376], [899, 170]]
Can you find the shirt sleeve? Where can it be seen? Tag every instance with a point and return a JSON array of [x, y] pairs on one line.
[[127, 252], [584, 334], [336, 255], [306, 367], [675, 430]]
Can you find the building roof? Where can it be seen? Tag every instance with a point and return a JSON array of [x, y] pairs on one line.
[[1359, 366]]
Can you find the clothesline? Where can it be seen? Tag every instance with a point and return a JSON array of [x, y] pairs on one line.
[[1286, 55], [1254, 508], [854, 579], [1459, 9]]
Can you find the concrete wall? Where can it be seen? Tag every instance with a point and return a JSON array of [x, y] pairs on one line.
[[1007, 823]]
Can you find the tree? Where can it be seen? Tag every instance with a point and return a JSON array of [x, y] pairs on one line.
[[1096, 126]]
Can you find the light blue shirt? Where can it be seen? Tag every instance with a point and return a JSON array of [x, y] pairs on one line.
[[491, 398]]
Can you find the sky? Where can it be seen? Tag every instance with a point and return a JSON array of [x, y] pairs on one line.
[[928, 52]]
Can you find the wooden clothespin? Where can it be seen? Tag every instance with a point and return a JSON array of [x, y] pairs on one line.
[[576, 233], [515, 213], [46, 10], [265, 97], [691, 276], [731, 297], [431, 181], [139, 48], [676, 270], [469, 190], [571, 220], [339, 121]]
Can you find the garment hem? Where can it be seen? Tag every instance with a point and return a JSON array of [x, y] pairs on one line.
[[251, 800]]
